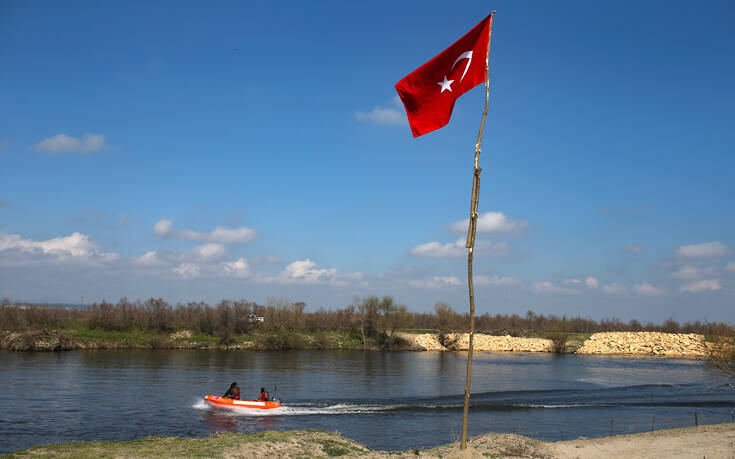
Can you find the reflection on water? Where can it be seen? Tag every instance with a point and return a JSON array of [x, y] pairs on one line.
[[384, 400]]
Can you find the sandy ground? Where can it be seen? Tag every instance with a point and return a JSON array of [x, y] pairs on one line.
[[712, 441], [709, 442]]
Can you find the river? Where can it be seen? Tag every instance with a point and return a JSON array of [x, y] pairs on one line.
[[385, 400]]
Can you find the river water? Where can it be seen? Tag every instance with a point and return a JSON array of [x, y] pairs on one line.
[[397, 400]]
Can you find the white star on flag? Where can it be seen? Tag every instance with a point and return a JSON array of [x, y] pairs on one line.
[[446, 84]]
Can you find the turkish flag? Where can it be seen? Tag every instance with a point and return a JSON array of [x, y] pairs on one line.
[[429, 92]]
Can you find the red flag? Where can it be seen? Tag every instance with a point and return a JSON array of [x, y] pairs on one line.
[[429, 92]]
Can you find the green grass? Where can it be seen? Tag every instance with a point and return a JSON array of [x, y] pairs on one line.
[[199, 338], [336, 448], [131, 337]]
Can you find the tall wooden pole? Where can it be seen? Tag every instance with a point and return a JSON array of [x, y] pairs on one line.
[[471, 231]]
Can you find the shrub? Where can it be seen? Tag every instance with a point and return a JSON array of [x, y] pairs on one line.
[[560, 343]]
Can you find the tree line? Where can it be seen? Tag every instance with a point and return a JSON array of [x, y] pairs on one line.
[[367, 318]]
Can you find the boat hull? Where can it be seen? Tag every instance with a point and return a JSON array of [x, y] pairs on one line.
[[215, 400]]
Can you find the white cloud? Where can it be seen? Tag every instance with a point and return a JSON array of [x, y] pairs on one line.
[[454, 249], [150, 259], [209, 251], [238, 268], [164, 227], [704, 250], [492, 223], [457, 249], [75, 246], [549, 287], [436, 282], [686, 272], [89, 143], [188, 270], [382, 116], [305, 272], [614, 289], [699, 286], [644, 288], [484, 281], [730, 266], [203, 253], [633, 248]]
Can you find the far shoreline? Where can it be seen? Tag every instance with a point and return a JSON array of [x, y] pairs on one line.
[[646, 344]]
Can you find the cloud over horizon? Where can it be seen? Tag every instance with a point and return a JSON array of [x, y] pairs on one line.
[[644, 288], [220, 234], [436, 282], [703, 285], [704, 250], [550, 287], [77, 246]]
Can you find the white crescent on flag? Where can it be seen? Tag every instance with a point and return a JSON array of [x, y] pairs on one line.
[[465, 55]]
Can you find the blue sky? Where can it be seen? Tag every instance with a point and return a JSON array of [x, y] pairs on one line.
[[256, 149]]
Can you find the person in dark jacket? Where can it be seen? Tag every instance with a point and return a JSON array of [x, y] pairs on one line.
[[233, 392], [264, 395]]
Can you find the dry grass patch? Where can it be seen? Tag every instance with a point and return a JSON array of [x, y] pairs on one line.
[[285, 444]]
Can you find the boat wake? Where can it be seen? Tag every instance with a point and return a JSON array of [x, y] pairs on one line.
[[297, 409], [656, 395]]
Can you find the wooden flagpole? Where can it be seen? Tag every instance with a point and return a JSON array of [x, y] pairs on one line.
[[471, 231]]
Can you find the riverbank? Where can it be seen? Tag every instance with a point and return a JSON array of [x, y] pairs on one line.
[[711, 441], [627, 343], [631, 343]]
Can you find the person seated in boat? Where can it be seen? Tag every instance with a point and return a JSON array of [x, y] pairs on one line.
[[233, 392], [264, 395]]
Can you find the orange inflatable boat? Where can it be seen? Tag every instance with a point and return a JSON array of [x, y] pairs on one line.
[[215, 400]]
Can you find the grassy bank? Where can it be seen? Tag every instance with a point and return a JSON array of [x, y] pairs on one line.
[[311, 443], [714, 440], [81, 337], [283, 444]]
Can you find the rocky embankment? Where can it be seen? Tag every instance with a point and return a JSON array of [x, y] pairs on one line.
[[461, 342], [637, 343], [34, 341], [647, 343]]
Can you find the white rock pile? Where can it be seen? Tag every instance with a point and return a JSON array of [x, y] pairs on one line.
[[460, 342], [647, 343], [639, 343]]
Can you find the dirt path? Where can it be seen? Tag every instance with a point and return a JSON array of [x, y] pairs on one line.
[[712, 441]]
